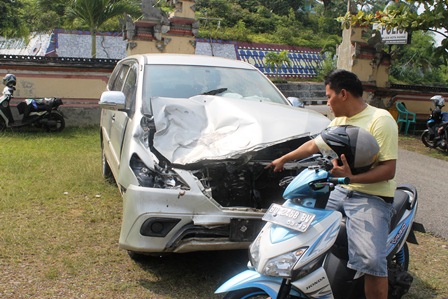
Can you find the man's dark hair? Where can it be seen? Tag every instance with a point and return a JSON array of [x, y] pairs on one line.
[[342, 79]]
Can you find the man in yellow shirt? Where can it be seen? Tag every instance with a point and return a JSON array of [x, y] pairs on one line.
[[367, 200]]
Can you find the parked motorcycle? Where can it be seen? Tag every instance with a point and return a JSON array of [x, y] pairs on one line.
[[431, 137], [302, 250], [42, 113]]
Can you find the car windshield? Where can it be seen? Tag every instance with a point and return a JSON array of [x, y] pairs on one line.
[[185, 81]]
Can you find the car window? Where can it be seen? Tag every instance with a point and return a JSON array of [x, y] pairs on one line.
[[184, 81], [118, 80], [113, 77], [130, 87]]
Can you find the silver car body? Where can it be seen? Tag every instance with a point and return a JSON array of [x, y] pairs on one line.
[[186, 138]]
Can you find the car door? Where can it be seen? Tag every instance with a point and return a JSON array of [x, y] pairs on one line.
[[126, 82]]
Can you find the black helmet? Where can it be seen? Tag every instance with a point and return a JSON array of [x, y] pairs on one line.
[[9, 80], [359, 146]]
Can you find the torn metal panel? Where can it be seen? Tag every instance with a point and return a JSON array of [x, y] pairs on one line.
[[215, 128]]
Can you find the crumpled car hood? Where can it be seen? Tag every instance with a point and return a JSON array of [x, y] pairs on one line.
[[216, 128]]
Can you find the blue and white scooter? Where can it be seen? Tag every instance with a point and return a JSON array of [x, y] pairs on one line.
[[301, 252]]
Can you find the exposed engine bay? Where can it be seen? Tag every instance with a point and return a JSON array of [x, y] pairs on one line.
[[246, 183], [233, 183]]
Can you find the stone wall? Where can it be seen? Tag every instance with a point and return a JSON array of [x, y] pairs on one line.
[[310, 93]]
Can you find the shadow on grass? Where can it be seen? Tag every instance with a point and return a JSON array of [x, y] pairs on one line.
[[195, 275], [419, 289], [199, 274]]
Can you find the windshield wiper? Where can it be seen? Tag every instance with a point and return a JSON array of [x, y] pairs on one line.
[[214, 91]]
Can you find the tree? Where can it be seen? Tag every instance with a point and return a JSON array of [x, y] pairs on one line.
[[291, 22], [46, 15], [405, 15], [95, 13], [328, 51], [416, 64], [275, 60], [12, 22]]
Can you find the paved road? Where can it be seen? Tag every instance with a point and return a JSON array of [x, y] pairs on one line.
[[430, 177]]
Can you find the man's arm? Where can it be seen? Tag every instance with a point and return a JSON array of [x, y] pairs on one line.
[[385, 170], [305, 150]]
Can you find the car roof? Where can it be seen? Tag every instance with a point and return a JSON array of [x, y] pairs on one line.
[[187, 59]]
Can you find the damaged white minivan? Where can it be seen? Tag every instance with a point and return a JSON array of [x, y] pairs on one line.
[[187, 138]]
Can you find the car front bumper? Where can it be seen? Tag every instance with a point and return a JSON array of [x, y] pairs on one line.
[[168, 220]]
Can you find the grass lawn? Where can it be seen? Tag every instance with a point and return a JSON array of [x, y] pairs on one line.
[[60, 223]]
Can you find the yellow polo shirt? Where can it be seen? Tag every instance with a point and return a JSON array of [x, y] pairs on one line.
[[383, 127]]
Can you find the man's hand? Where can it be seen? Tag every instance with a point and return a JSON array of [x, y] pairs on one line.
[[305, 150], [277, 164], [341, 171]]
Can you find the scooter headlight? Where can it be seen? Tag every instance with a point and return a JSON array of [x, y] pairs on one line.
[[283, 265], [254, 252]]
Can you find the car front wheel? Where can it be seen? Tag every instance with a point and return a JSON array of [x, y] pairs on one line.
[[107, 172], [2, 125]]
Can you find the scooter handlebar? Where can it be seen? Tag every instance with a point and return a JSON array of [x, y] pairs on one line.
[[344, 180]]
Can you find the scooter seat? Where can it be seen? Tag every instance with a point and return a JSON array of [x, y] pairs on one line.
[[401, 204], [21, 107]]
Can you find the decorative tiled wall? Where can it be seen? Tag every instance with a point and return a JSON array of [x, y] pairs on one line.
[[77, 43], [305, 62]]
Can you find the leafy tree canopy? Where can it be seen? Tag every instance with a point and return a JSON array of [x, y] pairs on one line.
[[292, 22], [417, 63], [12, 19], [275, 60], [412, 16], [95, 13]]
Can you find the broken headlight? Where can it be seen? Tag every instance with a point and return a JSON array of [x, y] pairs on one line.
[[148, 130], [157, 177]]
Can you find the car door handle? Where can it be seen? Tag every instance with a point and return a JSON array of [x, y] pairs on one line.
[[113, 117]]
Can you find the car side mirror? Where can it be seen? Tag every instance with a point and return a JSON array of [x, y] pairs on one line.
[[114, 100], [296, 102]]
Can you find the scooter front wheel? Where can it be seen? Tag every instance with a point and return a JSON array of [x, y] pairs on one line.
[[426, 139], [251, 293], [59, 122]]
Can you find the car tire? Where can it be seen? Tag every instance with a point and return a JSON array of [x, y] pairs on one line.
[[2, 125], [107, 172]]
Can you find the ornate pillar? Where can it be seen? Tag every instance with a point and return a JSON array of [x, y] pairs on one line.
[[158, 32], [361, 52]]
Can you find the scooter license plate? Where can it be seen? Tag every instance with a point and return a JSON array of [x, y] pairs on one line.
[[290, 218]]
